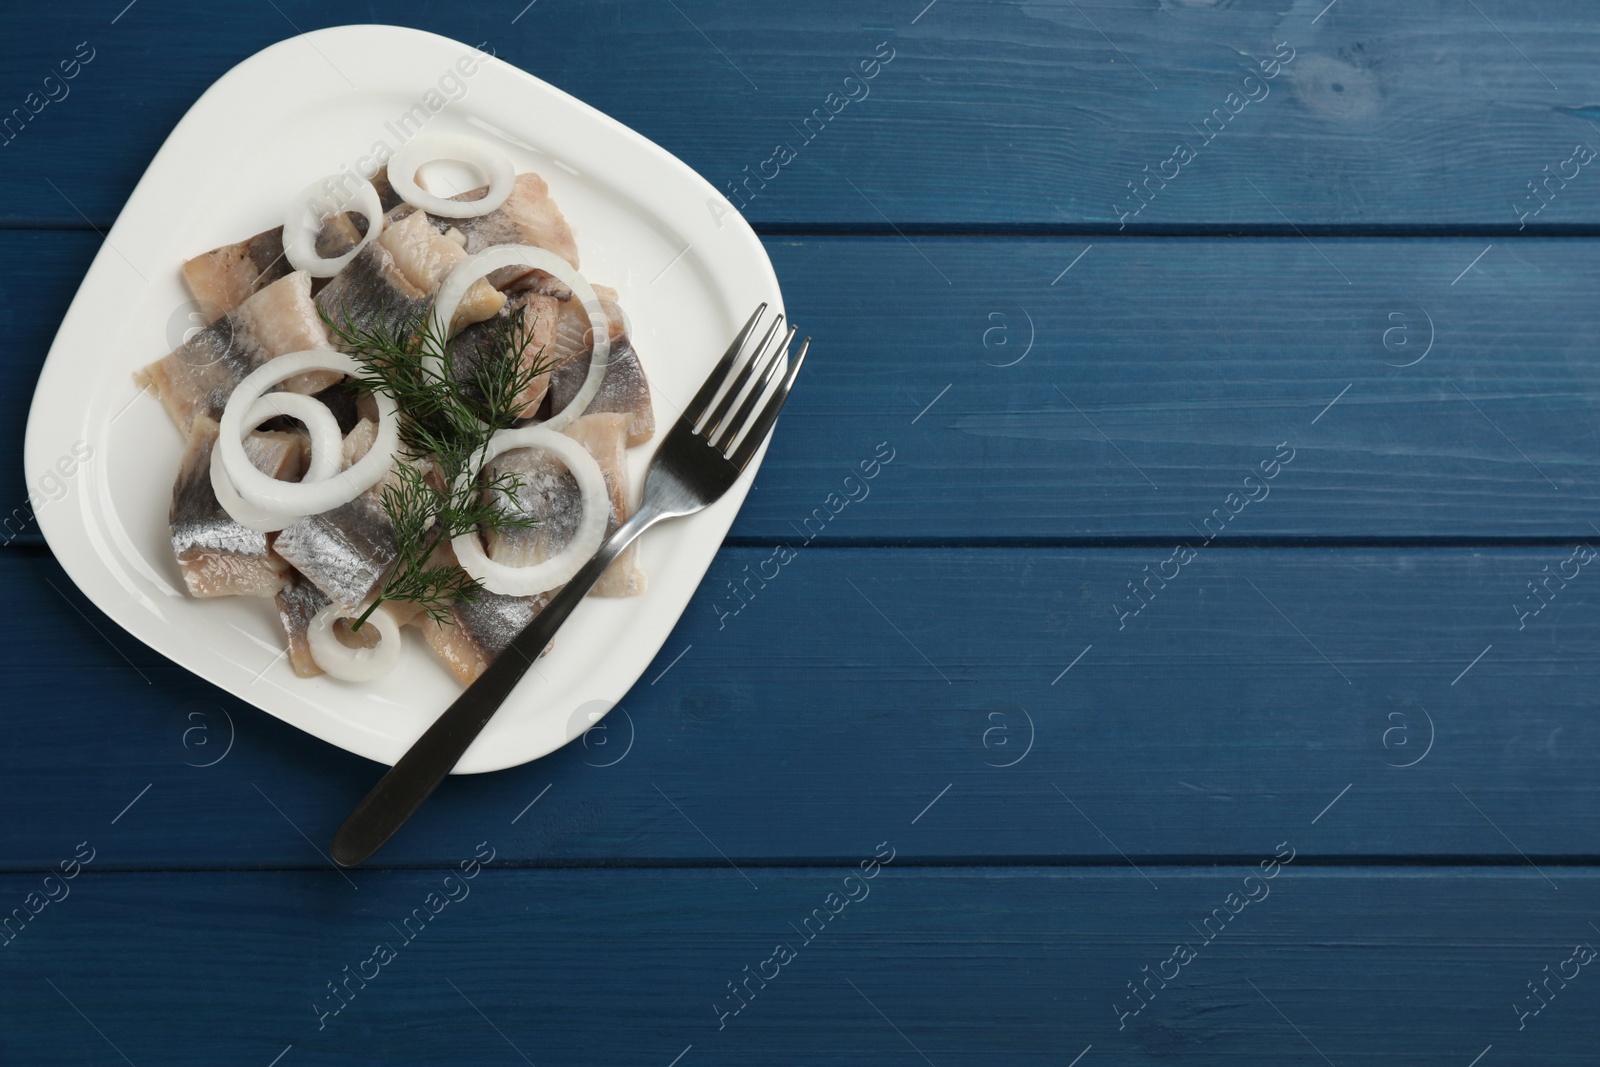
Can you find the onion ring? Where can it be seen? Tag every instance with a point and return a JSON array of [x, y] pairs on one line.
[[559, 568], [326, 454], [309, 497], [492, 166], [303, 222], [481, 264], [354, 664]]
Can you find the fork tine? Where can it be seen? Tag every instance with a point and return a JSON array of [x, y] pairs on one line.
[[708, 391], [772, 361], [762, 423], [748, 368]]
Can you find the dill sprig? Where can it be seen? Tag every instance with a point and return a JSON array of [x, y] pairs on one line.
[[445, 426]]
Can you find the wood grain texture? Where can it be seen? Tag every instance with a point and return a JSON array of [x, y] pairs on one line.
[[996, 659], [1023, 966], [1132, 397], [859, 687], [1422, 116]]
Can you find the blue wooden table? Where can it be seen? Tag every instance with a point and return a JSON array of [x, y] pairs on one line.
[[1208, 674]]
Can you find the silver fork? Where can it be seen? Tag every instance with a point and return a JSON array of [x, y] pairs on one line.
[[699, 460]]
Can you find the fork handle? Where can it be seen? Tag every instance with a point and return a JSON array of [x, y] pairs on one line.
[[418, 773]]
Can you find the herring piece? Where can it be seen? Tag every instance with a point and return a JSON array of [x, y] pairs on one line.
[[345, 551], [359, 441], [623, 390], [479, 629], [217, 556], [213, 574], [425, 256], [283, 319], [372, 292], [549, 493], [475, 631], [528, 217], [473, 346], [199, 375], [298, 602], [223, 278]]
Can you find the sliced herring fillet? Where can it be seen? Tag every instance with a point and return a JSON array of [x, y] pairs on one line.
[[372, 292], [298, 602], [474, 346], [217, 556], [197, 378], [623, 390], [549, 493], [223, 278], [345, 551], [425, 256]]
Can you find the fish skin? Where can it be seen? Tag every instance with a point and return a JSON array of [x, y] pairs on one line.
[[223, 278], [345, 551], [371, 291], [339, 234], [479, 630], [199, 376], [492, 621], [199, 523], [549, 493], [298, 602], [473, 345], [624, 389], [217, 556], [342, 399], [475, 630]]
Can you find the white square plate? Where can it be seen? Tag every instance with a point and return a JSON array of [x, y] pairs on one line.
[[687, 267]]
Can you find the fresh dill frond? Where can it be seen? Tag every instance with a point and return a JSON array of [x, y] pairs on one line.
[[413, 507], [446, 421]]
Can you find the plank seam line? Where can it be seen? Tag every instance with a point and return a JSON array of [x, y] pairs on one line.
[[1112, 865]]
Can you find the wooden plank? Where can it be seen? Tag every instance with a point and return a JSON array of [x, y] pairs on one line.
[[1144, 385], [985, 698], [969, 966], [1131, 393], [1425, 115]]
